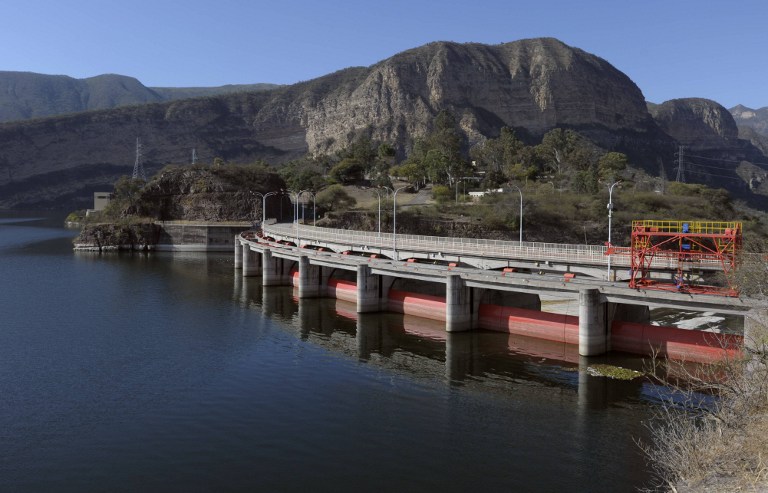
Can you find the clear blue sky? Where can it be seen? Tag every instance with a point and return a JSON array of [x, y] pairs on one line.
[[669, 48]]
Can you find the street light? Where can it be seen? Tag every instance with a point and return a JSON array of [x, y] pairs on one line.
[[295, 196], [378, 193], [610, 213], [262, 198], [394, 222], [264, 206], [314, 207], [521, 211]]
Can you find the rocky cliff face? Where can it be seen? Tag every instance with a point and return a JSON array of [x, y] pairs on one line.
[[696, 123], [531, 85], [535, 84]]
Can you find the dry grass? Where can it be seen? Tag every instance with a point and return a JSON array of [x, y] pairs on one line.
[[710, 432]]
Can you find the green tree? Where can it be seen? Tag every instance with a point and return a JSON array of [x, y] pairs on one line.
[[412, 171], [302, 174], [563, 151], [126, 198], [335, 198], [610, 165], [500, 153], [347, 171]]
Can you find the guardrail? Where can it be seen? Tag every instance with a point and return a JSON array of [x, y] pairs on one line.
[[470, 247], [594, 255]]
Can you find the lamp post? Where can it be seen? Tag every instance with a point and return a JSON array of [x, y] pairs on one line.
[[521, 211], [394, 222], [262, 198], [295, 196], [378, 194], [264, 206], [314, 207], [610, 213]]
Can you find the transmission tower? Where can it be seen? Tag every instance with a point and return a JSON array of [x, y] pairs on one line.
[[138, 166], [680, 166]]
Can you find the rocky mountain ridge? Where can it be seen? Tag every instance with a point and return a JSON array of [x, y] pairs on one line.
[[530, 85], [25, 95]]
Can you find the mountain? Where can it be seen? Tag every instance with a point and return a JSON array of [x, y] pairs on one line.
[[754, 119], [25, 95], [530, 85]]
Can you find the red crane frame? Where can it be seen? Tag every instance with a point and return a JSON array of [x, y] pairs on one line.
[[684, 246]]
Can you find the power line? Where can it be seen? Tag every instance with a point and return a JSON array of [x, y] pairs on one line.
[[727, 160]]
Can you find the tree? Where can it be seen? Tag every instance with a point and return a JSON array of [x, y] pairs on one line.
[[335, 198], [348, 170], [610, 165], [500, 153], [564, 151], [125, 199], [412, 171], [302, 174]]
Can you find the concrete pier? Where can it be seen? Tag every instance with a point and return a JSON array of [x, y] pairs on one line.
[[369, 296], [310, 279], [458, 304], [238, 253], [273, 270], [593, 329], [251, 261]]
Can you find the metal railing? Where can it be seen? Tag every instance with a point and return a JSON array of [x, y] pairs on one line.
[[467, 247]]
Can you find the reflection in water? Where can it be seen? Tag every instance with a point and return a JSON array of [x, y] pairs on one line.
[[422, 348]]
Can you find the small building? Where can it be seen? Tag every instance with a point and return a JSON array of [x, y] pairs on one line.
[[100, 201]]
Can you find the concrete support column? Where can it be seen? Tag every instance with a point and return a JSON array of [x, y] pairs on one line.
[[368, 290], [310, 282], [250, 261], [593, 330], [238, 254], [458, 304], [271, 272]]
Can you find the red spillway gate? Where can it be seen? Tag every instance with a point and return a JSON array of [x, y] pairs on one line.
[[685, 246]]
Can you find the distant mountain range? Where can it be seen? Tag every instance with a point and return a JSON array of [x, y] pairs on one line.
[[25, 95], [531, 85]]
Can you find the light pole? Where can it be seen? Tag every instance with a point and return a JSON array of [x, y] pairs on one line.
[[610, 213], [262, 198], [394, 222], [295, 196], [378, 193], [264, 206], [521, 211], [314, 207]]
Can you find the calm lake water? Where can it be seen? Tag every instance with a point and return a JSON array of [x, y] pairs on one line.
[[170, 372]]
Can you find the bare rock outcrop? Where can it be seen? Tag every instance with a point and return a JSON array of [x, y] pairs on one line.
[[696, 123]]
